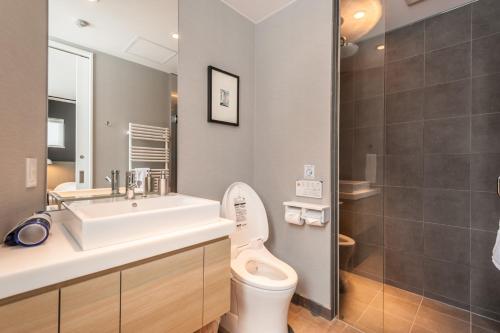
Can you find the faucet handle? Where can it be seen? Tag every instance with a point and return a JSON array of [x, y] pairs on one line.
[[130, 177], [107, 179]]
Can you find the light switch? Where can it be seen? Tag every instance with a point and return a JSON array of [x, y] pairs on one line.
[[309, 171], [31, 172]]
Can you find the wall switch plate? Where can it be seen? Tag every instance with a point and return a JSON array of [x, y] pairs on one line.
[[309, 172], [309, 189], [31, 176]]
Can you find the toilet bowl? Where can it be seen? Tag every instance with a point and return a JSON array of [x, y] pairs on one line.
[[262, 286], [346, 250]]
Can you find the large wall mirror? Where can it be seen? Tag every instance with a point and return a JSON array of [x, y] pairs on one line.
[[112, 92]]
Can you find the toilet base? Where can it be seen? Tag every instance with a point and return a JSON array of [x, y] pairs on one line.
[[257, 310]]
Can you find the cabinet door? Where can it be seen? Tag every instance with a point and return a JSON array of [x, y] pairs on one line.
[[217, 280], [164, 295], [92, 305], [35, 314]]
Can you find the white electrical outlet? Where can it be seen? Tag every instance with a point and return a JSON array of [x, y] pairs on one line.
[[309, 172], [31, 172]]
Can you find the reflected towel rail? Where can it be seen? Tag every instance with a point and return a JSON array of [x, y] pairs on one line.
[[156, 154]]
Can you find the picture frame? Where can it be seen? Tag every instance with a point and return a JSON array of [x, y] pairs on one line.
[[223, 97]]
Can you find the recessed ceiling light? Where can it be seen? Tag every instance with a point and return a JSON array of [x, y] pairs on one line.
[[381, 47], [93, 0], [359, 14], [175, 36]]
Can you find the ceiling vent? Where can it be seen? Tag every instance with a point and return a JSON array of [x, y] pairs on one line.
[[151, 51], [413, 2]]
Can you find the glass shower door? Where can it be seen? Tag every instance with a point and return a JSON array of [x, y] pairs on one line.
[[361, 158], [419, 157]]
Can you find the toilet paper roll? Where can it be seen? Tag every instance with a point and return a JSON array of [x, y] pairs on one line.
[[294, 219]]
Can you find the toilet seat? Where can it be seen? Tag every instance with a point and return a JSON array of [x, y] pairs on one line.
[[346, 240], [260, 269], [252, 264]]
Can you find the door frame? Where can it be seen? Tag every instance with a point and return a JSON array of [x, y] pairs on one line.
[[90, 56]]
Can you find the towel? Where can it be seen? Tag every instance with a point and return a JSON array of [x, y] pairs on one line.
[[496, 251], [140, 175]]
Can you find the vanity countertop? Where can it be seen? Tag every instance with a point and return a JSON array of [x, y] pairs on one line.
[[61, 259]]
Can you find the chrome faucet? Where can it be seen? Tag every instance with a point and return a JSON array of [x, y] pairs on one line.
[[130, 185], [114, 181]]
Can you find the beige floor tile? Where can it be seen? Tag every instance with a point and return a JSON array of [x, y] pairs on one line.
[[358, 279], [372, 321], [350, 329], [396, 306], [439, 322], [351, 309], [446, 309], [403, 294], [420, 329], [337, 326], [376, 321], [360, 289]]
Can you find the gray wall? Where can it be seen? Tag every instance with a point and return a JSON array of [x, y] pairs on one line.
[[290, 56], [23, 106], [293, 89], [124, 92], [212, 156]]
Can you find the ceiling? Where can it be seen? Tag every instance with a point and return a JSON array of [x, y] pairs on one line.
[[398, 14], [141, 31], [138, 31], [257, 10]]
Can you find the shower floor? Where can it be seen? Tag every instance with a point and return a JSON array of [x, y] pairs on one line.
[[373, 307], [405, 312]]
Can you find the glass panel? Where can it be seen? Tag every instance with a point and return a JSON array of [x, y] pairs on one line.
[[361, 150], [420, 123]]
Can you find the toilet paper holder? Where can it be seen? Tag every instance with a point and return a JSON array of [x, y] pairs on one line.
[[302, 212]]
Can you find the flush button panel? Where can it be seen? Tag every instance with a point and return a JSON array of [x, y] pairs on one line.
[[309, 189]]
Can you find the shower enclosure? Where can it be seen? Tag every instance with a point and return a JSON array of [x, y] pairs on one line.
[[418, 162]]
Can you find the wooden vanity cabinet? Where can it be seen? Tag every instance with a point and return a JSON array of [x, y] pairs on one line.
[[165, 295], [177, 292], [91, 306], [34, 314], [217, 280]]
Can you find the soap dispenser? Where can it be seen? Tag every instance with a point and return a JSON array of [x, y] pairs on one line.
[[163, 183]]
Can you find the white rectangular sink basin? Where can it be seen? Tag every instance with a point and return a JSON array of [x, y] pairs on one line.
[[104, 222]]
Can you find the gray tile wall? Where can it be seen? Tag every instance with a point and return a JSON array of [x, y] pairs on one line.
[[441, 154]]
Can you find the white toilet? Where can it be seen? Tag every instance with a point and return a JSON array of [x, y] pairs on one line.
[[262, 286]]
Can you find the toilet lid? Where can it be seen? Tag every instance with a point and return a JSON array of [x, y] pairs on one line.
[[242, 204]]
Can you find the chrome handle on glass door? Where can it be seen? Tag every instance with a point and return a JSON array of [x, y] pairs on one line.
[[498, 186]]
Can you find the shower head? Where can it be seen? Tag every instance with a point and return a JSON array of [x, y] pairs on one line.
[[347, 49]]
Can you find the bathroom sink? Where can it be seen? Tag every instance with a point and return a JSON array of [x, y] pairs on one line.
[[98, 223]]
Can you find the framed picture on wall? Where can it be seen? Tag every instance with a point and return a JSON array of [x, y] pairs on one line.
[[223, 97]]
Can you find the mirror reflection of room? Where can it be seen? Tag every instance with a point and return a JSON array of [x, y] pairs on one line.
[[112, 81]]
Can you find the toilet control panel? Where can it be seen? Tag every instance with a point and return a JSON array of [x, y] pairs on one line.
[[309, 189]]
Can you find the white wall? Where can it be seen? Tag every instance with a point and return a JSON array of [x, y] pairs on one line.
[[212, 156], [293, 76], [285, 69]]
